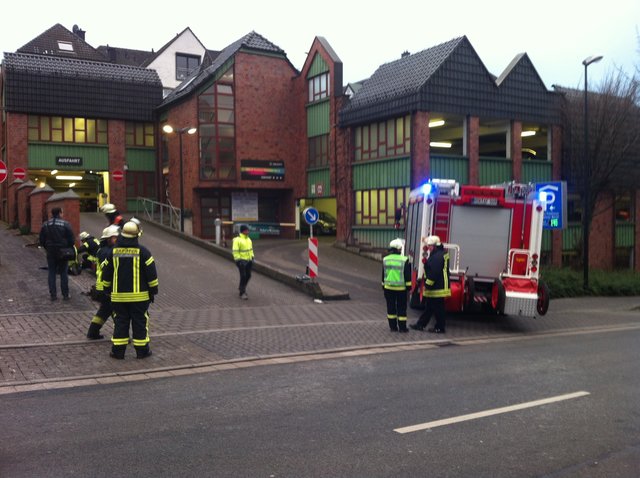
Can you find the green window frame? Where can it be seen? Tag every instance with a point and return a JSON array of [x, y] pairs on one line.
[[140, 134], [59, 129], [377, 207], [384, 139]]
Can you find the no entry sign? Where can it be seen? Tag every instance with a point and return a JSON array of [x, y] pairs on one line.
[[117, 175], [19, 173], [3, 171]]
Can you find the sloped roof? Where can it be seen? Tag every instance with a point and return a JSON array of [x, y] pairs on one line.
[[125, 56], [250, 42], [67, 86], [48, 43], [451, 78]]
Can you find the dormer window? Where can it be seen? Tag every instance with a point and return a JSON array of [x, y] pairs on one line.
[[65, 46], [185, 65]]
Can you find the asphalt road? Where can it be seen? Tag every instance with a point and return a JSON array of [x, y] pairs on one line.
[[336, 418]]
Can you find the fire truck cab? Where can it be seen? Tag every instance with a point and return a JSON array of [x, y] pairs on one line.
[[493, 235]]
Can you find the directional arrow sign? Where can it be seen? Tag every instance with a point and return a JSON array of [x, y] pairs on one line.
[[311, 215]]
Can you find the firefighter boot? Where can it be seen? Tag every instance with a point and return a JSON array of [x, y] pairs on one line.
[[117, 351], [94, 331], [142, 351], [393, 325], [402, 326]]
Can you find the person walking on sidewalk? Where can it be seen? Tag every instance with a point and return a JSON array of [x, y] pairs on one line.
[[107, 241], [396, 282], [242, 248], [129, 275], [436, 282], [56, 235]]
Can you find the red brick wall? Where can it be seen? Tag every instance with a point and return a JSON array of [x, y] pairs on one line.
[[70, 212], [473, 148], [16, 156], [23, 203], [421, 164], [38, 208], [601, 235], [117, 160]]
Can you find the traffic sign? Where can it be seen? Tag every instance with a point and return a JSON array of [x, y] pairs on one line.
[[3, 171], [117, 175], [19, 173], [554, 196], [311, 215]]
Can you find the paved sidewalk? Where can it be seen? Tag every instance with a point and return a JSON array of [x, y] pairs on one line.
[[198, 321]]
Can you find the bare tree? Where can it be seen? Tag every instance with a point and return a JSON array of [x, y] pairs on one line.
[[613, 151]]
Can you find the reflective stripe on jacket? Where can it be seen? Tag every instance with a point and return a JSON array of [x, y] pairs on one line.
[[396, 272], [129, 272], [242, 248], [437, 274]]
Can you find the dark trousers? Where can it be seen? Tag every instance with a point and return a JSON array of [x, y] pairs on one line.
[[245, 274], [396, 304], [55, 267], [104, 311], [132, 314], [434, 306]]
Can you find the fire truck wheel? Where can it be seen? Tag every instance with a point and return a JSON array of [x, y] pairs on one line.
[[498, 296], [543, 297], [469, 293]]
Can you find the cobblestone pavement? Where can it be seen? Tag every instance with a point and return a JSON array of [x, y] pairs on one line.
[[198, 320]]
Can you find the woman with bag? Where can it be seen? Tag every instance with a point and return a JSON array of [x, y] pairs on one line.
[[57, 237]]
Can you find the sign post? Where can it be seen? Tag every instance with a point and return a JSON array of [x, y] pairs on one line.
[[311, 216], [3, 171]]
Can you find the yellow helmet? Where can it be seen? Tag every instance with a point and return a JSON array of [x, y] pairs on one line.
[[110, 231], [108, 208], [433, 241], [130, 230]]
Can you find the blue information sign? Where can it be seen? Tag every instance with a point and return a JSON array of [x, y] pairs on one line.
[[311, 215], [554, 194]]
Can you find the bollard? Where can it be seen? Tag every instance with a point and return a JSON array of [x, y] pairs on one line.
[[218, 223]]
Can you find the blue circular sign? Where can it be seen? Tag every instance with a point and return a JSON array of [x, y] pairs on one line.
[[311, 215]]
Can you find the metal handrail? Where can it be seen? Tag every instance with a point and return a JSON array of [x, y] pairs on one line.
[[162, 213]]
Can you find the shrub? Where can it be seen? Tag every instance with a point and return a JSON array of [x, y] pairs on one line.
[[568, 283]]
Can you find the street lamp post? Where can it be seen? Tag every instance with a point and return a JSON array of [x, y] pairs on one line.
[[587, 177], [167, 128]]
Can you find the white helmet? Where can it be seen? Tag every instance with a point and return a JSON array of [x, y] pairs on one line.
[[108, 208], [433, 241], [130, 230], [84, 235], [396, 244], [110, 231], [138, 223]]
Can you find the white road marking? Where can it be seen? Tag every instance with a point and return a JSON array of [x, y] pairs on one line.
[[488, 413]]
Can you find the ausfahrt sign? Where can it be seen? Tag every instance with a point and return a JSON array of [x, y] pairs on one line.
[[3, 171]]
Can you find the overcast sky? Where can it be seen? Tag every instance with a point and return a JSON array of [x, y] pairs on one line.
[[556, 34]]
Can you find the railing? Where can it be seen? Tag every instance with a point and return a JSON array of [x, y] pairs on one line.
[[162, 213]]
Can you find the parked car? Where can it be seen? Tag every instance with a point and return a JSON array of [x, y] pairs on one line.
[[326, 224]]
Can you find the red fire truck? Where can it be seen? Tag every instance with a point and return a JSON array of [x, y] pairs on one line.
[[493, 235]]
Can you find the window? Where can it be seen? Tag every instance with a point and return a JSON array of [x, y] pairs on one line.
[[382, 140], [319, 151], [318, 87], [377, 207], [185, 65], [140, 134], [141, 184], [67, 130], [216, 114]]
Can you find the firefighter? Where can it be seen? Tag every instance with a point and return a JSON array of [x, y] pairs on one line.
[[436, 284], [89, 246], [129, 275], [242, 248], [111, 213], [396, 282], [107, 241]]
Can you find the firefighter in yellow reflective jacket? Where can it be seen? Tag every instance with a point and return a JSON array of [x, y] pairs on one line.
[[129, 275], [436, 284], [89, 246], [396, 282], [243, 256], [107, 241]]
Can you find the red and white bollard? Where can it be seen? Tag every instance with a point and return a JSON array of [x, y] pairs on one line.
[[313, 257]]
